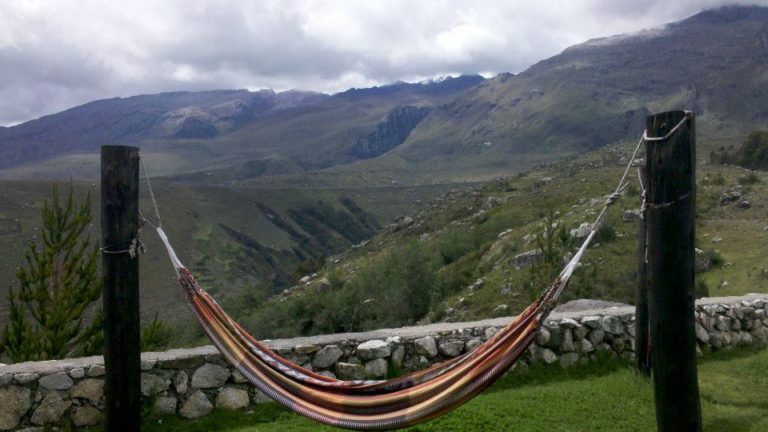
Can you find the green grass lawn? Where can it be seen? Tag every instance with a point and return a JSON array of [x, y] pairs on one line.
[[606, 396]]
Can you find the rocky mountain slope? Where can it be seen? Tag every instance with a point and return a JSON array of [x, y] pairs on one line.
[[459, 129], [596, 93], [134, 119]]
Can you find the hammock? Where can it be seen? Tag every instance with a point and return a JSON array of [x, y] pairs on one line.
[[379, 404]]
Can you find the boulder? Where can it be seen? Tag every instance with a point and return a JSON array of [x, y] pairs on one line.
[[232, 398], [86, 415], [592, 322], [500, 309], [630, 215], [542, 337], [373, 349], [702, 261], [611, 325], [210, 375], [490, 332], [50, 409], [153, 384], [397, 355], [57, 381], [197, 405], [472, 344], [181, 382], [596, 336], [146, 365], [525, 259], [15, 401], [451, 348], [261, 398], [555, 336], [580, 234], [569, 323], [165, 405], [548, 356], [90, 388], [26, 377], [306, 349], [238, 378], [567, 344], [729, 197], [425, 346], [586, 347], [376, 368], [477, 285], [77, 373], [96, 371], [327, 356], [350, 371]]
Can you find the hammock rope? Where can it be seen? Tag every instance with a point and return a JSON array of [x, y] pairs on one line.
[[381, 404]]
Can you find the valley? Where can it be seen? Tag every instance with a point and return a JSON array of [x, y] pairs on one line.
[[411, 190]]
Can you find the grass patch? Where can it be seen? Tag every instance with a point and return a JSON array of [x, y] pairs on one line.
[[606, 395]]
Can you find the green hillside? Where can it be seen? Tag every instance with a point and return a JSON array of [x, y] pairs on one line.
[[458, 258]]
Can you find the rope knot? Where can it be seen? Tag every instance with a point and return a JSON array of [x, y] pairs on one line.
[[136, 248], [612, 198]]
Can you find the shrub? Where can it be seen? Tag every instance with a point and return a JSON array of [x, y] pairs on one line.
[[156, 335], [606, 233], [702, 289], [554, 242], [58, 283], [749, 179], [454, 244]]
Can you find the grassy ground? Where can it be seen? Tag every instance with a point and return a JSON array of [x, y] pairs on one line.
[[605, 396]]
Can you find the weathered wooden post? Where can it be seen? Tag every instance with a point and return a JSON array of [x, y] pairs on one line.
[[119, 229], [670, 167], [642, 354]]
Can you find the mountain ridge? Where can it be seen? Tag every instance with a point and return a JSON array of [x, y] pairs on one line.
[[589, 95]]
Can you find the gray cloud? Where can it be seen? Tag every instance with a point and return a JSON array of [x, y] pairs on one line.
[[58, 54]]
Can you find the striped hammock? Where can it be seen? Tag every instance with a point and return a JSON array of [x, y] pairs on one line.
[[368, 404]]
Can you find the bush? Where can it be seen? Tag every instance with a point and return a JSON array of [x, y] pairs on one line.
[[58, 283], [454, 244], [156, 335], [702, 289], [606, 233], [749, 179], [554, 242], [719, 180]]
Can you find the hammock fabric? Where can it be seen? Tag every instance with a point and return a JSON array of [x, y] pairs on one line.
[[370, 405], [388, 404]]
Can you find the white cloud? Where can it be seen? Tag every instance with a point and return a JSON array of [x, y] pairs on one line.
[[55, 54]]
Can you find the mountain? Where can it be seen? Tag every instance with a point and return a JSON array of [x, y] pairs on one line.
[[134, 119], [457, 129], [599, 92]]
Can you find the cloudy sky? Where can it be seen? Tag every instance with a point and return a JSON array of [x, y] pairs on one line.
[[55, 54]]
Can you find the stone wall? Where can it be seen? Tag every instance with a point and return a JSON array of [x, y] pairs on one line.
[[190, 382]]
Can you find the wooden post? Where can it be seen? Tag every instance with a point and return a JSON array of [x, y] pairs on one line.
[[642, 352], [670, 167], [119, 227]]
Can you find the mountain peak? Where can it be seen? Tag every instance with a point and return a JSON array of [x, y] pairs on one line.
[[727, 14]]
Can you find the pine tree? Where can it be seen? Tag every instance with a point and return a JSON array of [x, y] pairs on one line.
[[57, 283]]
